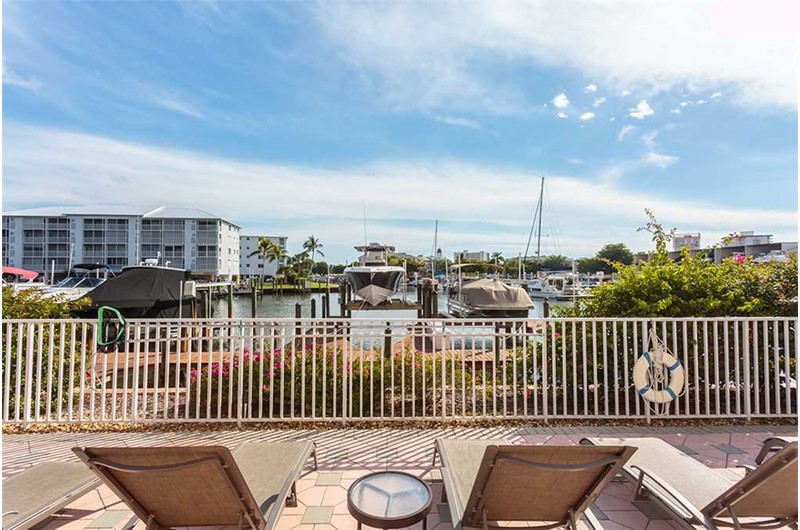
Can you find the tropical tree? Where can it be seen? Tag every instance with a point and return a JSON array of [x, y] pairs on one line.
[[497, 258], [312, 246], [264, 249]]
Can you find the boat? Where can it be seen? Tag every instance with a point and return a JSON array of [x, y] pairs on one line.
[[373, 279], [777, 256], [81, 279], [488, 298], [558, 286], [20, 279], [146, 291]]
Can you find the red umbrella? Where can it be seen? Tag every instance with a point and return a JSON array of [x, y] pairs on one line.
[[22, 273]]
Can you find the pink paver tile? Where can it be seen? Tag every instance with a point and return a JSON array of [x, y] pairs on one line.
[[340, 509], [313, 496], [333, 496], [613, 503], [634, 519], [305, 483], [324, 527], [440, 526], [343, 522]]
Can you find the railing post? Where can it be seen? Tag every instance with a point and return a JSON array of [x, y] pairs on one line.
[[240, 379]]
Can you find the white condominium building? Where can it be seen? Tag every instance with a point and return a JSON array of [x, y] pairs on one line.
[[118, 236], [256, 265]]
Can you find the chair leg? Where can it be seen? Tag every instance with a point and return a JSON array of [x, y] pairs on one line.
[[291, 500]]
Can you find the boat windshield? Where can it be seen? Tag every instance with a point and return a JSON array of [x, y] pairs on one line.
[[74, 281]]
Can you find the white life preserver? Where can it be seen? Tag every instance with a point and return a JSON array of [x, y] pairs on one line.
[[643, 377]]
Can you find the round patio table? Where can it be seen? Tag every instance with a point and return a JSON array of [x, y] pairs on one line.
[[389, 499]]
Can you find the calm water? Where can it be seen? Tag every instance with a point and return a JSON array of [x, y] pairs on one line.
[[279, 306]]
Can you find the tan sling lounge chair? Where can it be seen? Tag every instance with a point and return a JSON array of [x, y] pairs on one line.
[[696, 494], [773, 444], [35, 494], [489, 482], [203, 486]]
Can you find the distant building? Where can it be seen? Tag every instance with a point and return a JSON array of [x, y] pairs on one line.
[[256, 265], [119, 236], [680, 241], [740, 239], [466, 255], [742, 243]]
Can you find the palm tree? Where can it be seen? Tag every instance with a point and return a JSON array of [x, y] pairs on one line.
[[277, 254], [313, 246], [496, 257], [265, 248]]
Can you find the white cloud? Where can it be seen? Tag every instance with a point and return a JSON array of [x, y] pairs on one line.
[[590, 88], [175, 104], [700, 102], [560, 101], [715, 95], [458, 122], [660, 160], [612, 119], [675, 111], [625, 131], [685, 103], [641, 111], [562, 115], [13, 79], [649, 139], [429, 54], [599, 101], [67, 164], [626, 93], [586, 116]]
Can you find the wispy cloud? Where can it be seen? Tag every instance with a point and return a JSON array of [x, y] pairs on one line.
[[456, 121], [660, 160], [590, 88], [586, 116], [599, 101], [68, 163], [177, 105], [13, 79], [625, 131], [431, 51]]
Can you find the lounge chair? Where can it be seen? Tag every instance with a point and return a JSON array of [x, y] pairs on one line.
[[35, 494], [773, 444], [489, 482], [693, 493], [205, 485]]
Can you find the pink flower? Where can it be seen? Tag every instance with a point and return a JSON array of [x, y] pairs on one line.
[[265, 388]]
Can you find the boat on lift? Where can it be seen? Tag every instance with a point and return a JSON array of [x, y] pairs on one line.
[[558, 286], [488, 298], [82, 278], [373, 279]]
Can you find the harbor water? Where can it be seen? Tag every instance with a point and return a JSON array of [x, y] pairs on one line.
[[283, 306]]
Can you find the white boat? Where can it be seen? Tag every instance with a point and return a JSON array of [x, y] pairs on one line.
[[558, 286], [373, 279], [488, 298], [777, 256], [82, 279]]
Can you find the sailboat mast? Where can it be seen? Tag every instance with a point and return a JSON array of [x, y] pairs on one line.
[[435, 243], [539, 235]]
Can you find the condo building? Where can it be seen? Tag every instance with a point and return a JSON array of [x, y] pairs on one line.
[[43, 238], [255, 265]]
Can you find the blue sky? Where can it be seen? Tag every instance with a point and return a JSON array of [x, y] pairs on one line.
[[289, 117]]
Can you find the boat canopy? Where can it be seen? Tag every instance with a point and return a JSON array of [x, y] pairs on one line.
[[22, 273], [143, 292], [494, 294]]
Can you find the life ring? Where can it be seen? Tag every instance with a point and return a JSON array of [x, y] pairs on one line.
[[643, 377]]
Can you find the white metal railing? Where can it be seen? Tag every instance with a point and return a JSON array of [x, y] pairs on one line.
[[375, 369]]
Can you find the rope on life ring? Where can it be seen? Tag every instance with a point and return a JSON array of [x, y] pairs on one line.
[[658, 376]]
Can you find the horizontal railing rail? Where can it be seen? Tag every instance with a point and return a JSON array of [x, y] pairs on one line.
[[203, 370]]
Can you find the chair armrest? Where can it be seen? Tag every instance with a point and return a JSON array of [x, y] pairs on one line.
[[674, 497], [747, 468]]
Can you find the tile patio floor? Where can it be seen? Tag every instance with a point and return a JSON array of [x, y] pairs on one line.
[[345, 455]]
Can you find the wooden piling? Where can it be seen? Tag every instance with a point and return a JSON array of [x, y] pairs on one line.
[[230, 300], [313, 308]]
